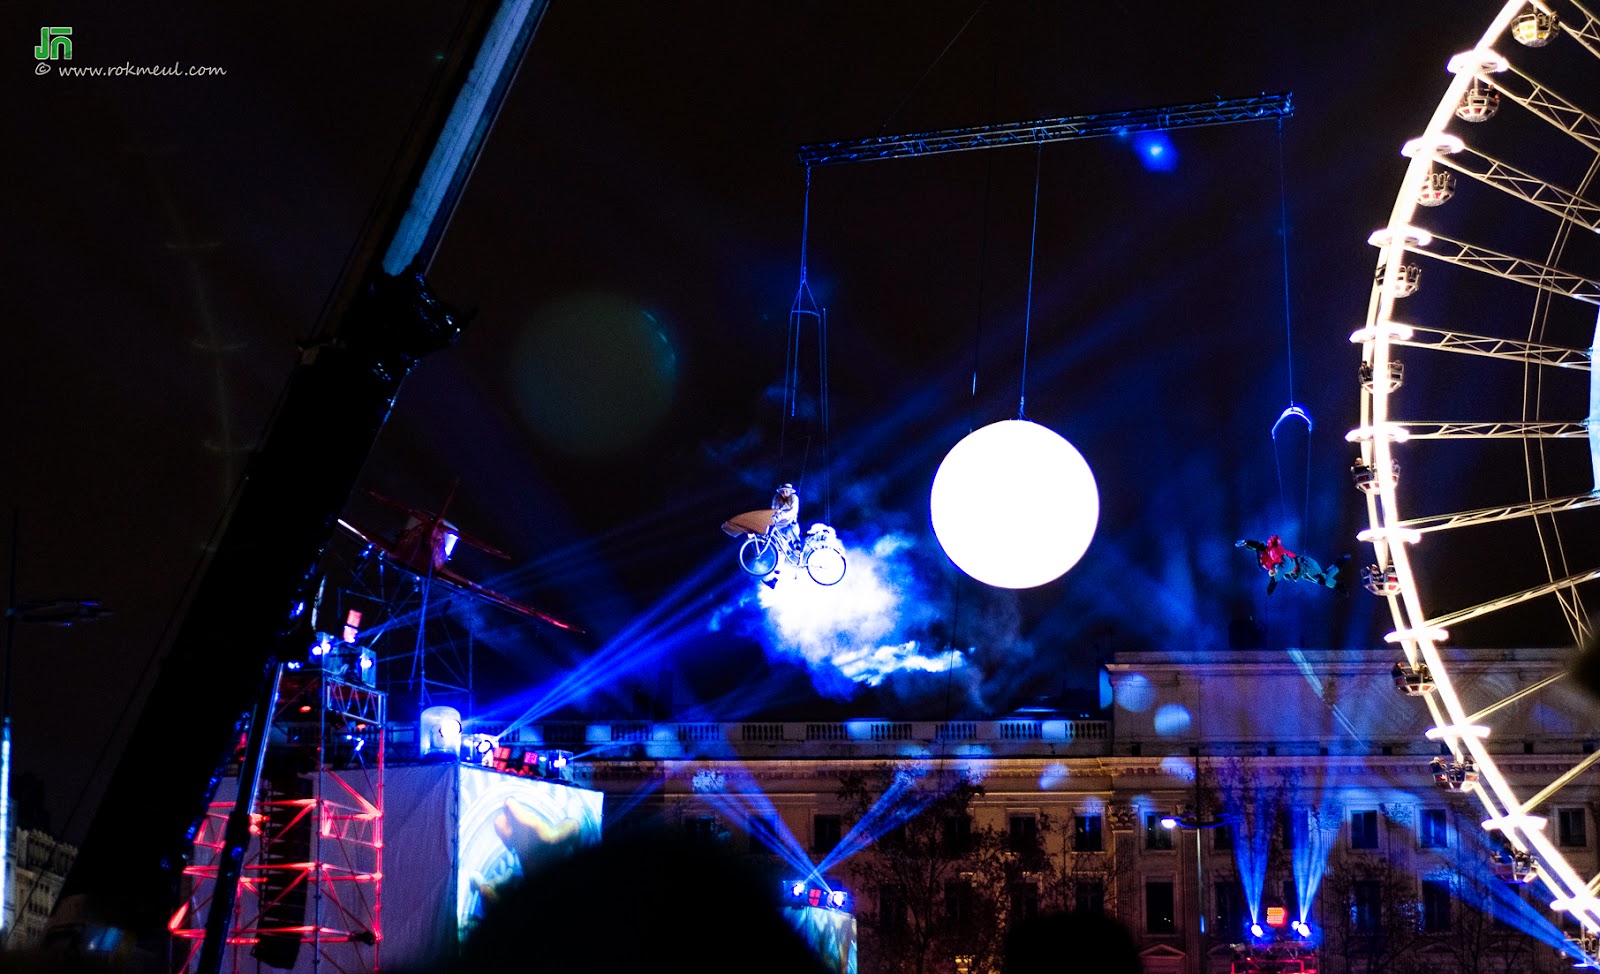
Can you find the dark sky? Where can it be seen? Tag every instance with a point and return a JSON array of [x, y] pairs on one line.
[[171, 238]]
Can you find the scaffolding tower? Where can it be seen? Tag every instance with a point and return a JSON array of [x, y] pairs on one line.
[[309, 892]]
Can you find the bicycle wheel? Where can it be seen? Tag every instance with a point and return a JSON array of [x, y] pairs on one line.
[[758, 555], [825, 565]]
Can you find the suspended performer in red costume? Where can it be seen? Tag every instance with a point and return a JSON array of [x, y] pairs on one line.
[[1279, 562]]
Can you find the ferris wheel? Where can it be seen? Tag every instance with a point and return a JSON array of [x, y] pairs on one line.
[[1484, 306]]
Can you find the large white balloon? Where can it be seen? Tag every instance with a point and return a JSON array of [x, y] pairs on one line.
[[1014, 504]]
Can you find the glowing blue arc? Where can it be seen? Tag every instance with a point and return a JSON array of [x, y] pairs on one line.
[[1293, 411]]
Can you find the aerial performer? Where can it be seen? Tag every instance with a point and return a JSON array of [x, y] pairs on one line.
[[1281, 563]]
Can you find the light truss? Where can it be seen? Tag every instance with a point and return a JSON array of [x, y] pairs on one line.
[[1510, 349], [1546, 104], [1515, 598], [1587, 34], [1523, 186], [1518, 269], [1223, 111], [1495, 431], [1505, 512]]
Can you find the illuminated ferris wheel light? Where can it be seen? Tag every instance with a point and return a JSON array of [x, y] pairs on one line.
[[1393, 432], [1525, 822], [1485, 59], [1431, 634], [1442, 144], [1455, 732], [1391, 535]]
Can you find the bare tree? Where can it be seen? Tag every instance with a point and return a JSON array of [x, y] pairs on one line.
[[1371, 917], [934, 892]]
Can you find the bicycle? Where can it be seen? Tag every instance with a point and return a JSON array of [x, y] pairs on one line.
[[820, 554]]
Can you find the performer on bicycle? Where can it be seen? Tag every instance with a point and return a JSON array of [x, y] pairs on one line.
[[786, 513]]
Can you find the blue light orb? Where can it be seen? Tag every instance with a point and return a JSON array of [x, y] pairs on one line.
[[1171, 719], [1156, 152], [1136, 694], [1054, 774], [1014, 505]]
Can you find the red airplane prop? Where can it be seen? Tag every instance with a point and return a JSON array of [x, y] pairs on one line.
[[425, 544]]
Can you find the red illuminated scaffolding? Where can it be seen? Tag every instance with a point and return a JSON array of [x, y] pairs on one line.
[[313, 872]]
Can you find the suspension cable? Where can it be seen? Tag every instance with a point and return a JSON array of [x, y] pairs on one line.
[[1027, 314]]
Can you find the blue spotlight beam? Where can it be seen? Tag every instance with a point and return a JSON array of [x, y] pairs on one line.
[[901, 802], [1223, 111], [653, 636]]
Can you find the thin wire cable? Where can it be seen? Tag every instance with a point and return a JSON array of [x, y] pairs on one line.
[[1283, 238], [1293, 409], [963, 29], [1027, 314]]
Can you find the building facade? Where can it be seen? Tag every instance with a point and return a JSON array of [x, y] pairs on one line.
[[1298, 782]]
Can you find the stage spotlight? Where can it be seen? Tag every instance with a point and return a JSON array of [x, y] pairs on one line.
[[440, 735], [797, 890], [1257, 931]]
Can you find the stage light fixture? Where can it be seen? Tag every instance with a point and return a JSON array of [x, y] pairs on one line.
[[1014, 505], [440, 734], [1256, 931]]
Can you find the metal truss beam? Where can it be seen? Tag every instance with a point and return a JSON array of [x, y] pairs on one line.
[[1517, 269], [1523, 186], [1494, 431], [1515, 598], [1223, 111], [1546, 104], [1506, 512], [1509, 349], [1586, 34]]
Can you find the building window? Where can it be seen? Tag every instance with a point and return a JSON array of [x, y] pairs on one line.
[[1158, 907], [1156, 835], [958, 903], [956, 834], [703, 828], [1023, 836], [1435, 906], [1024, 901], [1230, 915], [1571, 828], [762, 829], [891, 911], [1435, 833], [1364, 830], [826, 831], [1086, 835], [1365, 906], [1089, 896]]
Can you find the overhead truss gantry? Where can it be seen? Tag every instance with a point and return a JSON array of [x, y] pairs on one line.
[[1223, 111]]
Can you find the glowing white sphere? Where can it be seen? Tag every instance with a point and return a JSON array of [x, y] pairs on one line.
[[1014, 505]]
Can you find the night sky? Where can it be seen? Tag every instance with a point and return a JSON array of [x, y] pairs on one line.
[[630, 242]]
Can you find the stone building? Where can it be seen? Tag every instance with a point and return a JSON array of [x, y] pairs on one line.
[[1313, 768], [38, 866]]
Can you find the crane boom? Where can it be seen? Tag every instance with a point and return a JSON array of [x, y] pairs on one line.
[[1223, 111]]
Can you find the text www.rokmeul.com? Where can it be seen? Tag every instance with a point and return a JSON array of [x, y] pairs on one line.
[[130, 69]]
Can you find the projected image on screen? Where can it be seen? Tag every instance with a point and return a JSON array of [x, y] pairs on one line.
[[831, 933], [511, 826]]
